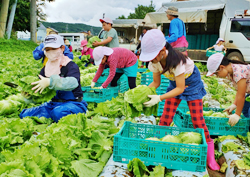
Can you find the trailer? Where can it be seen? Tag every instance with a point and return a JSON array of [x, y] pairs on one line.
[[206, 21]]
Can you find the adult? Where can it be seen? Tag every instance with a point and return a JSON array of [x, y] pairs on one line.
[[62, 75], [185, 84], [120, 60], [67, 43], [110, 37], [177, 31], [38, 53], [89, 35], [139, 45]]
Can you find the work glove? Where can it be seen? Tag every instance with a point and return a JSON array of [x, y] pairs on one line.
[[155, 99], [92, 84], [233, 119], [136, 51], [100, 87], [230, 109], [80, 57], [41, 84]]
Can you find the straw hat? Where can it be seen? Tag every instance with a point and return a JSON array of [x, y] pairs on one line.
[[172, 11]]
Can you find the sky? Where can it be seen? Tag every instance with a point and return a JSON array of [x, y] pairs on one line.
[[90, 11]]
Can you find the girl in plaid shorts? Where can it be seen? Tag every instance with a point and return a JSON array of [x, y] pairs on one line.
[[185, 84]]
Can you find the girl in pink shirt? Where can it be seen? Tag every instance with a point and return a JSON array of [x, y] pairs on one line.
[[87, 51], [239, 73], [120, 61]]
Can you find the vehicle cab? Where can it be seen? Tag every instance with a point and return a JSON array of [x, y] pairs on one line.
[[237, 37]]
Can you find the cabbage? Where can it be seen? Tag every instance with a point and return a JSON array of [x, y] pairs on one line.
[[153, 138], [190, 137], [87, 79], [171, 138], [208, 113], [91, 40]]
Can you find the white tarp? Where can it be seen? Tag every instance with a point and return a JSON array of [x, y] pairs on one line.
[[125, 23], [186, 17], [189, 11]]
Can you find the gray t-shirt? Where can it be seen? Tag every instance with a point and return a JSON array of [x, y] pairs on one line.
[[111, 33]]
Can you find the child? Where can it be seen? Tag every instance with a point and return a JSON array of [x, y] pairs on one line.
[[218, 46], [185, 84], [86, 51], [120, 61], [38, 53], [61, 74], [110, 36], [239, 74]]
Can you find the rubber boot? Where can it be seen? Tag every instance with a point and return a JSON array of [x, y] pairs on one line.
[[211, 162]]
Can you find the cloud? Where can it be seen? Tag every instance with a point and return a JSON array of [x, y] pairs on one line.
[[90, 11]]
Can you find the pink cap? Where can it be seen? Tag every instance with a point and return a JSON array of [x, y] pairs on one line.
[[213, 63], [83, 43], [107, 20], [151, 44], [99, 52]]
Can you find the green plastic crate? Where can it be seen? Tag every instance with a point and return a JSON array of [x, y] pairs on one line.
[[142, 70], [161, 106], [211, 52], [147, 78], [99, 95], [122, 83], [215, 125], [130, 143]]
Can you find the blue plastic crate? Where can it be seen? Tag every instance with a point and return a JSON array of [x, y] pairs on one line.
[[215, 125], [99, 95], [130, 143]]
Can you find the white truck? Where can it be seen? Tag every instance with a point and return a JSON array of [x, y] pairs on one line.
[[206, 20], [74, 39]]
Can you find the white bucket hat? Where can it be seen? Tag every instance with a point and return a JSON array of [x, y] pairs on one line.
[[213, 63], [151, 44], [53, 40], [220, 39], [99, 52]]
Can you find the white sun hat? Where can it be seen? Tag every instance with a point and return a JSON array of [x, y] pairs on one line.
[[151, 44], [99, 52], [213, 63]]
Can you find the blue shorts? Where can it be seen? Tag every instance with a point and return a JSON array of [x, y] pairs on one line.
[[129, 71]]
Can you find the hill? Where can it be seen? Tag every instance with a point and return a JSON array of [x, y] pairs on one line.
[[72, 27]]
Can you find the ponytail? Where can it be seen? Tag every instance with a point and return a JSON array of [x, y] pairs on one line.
[[225, 61], [174, 58]]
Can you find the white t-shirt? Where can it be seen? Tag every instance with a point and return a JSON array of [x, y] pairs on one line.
[[218, 48], [186, 68]]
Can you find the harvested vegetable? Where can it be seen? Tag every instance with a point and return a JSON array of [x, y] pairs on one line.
[[25, 86]]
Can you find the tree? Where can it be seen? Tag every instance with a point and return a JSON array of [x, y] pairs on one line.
[[3, 16], [33, 20], [122, 17], [22, 15], [140, 12]]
